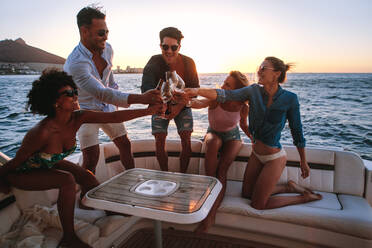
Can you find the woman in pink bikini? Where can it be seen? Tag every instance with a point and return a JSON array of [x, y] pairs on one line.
[[222, 136]]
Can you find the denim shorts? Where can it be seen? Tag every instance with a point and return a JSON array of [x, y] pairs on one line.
[[183, 120], [232, 134]]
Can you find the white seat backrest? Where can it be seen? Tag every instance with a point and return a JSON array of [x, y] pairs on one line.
[[144, 156], [331, 170]]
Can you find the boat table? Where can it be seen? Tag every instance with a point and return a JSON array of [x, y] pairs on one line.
[[158, 195]]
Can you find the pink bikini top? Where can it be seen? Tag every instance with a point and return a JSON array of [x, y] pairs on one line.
[[221, 120]]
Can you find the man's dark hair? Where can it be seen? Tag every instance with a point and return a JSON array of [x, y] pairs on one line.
[[87, 14], [172, 33]]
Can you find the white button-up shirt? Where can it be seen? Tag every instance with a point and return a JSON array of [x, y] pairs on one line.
[[95, 93]]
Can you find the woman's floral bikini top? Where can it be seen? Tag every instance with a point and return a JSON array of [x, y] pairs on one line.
[[42, 160]]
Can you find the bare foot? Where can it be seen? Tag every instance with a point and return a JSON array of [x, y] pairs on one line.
[[204, 225], [73, 242], [309, 197], [295, 188]]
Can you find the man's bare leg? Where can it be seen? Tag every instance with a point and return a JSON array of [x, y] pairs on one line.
[[90, 158], [186, 150], [124, 146], [161, 154]]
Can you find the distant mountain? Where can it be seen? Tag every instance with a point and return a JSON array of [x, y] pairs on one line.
[[19, 52]]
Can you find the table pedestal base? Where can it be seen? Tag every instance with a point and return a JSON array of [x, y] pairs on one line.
[[158, 235]]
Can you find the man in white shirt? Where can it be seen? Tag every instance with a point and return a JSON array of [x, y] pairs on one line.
[[90, 66]]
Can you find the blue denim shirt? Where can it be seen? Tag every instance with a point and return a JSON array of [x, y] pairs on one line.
[[267, 123]]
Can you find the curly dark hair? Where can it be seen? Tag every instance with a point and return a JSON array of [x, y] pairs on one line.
[[44, 92]]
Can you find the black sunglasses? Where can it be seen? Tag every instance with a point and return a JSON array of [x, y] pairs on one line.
[[102, 32], [166, 47], [262, 68], [69, 93]]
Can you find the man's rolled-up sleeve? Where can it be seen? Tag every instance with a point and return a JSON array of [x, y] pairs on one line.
[[86, 81]]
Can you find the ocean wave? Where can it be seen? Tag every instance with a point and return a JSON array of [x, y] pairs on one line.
[[335, 110]]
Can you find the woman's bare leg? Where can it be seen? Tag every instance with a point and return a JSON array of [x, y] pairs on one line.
[[54, 179], [252, 171], [228, 154], [291, 187], [83, 177], [213, 143], [266, 184]]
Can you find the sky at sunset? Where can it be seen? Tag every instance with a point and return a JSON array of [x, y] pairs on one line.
[[317, 35]]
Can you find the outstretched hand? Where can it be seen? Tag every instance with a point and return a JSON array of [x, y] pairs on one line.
[[191, 92], [152, 97], [157, 108], [180, 97]]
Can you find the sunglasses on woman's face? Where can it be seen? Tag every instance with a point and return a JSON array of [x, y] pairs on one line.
[[166, 47], [69, 93], [262, 68], [102, 32]]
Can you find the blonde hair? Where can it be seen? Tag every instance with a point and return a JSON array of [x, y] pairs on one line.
[[279, 65], [240, 79]]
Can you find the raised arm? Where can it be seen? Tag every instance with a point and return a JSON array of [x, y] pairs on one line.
[[200, 103], [86, 116], [207, 93], [239, 95], [86, 81]]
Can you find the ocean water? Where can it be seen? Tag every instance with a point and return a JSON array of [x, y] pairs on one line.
[[335, 109]]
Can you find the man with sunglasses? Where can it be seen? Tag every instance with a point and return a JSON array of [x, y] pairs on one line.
[[90, 66], [171, 60]]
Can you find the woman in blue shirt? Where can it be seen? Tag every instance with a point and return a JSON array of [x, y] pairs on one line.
[[270, 107]]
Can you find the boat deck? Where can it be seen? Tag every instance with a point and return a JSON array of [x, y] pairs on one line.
[[144, 238]]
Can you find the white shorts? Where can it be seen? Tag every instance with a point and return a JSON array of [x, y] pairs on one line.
[[88, 133], [266, 158]]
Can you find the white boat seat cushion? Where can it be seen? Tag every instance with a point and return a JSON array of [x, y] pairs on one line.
[[345, 214], [8, 215], [336, 171]]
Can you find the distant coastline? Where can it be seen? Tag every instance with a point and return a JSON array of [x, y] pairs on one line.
[[128, 70]]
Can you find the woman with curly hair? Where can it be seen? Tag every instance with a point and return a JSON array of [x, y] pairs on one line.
[[39, 163]]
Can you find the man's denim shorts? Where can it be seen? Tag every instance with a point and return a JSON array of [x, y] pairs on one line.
[[232, 134], [183, 120]]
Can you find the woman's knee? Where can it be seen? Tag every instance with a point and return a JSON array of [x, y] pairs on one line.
[[67, 179], [258, 205], [258, 202]]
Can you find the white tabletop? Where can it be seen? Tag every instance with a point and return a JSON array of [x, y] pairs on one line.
[[166, 196]]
